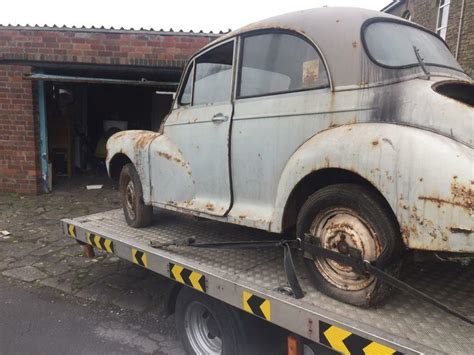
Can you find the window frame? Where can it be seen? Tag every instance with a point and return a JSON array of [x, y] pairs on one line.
[[447, 3], [182, 87], [370, 21], [278, 31], [192, 65]]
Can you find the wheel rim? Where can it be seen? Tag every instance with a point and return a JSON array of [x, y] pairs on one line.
[[202, 330], [339, 229], [130, 199]]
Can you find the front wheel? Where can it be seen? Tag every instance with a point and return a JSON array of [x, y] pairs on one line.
[[137, 214], [344, 216]]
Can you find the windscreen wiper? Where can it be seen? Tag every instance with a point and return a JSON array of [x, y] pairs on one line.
[[421, 62]]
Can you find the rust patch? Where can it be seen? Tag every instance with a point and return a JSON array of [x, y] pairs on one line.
[[375, 142], [354, 44], [165, 155], [242, 216], [210, 206], [462, 194], [145, 139]]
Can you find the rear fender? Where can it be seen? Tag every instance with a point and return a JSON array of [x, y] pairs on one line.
[[420, 174]]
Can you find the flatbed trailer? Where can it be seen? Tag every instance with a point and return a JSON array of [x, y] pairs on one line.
[[255, 282]]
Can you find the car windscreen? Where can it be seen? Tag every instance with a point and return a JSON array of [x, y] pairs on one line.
[[392, 44]]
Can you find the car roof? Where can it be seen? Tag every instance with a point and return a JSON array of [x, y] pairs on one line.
[[336, 31]]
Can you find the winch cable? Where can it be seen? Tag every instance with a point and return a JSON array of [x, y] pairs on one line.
[[312, 250]]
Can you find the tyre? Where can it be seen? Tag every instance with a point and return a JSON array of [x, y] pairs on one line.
[[137, 214], [349, 215], [208, 326]]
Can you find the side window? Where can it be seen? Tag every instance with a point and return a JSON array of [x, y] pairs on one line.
[[279, 62], [214, 75], [185, 97]]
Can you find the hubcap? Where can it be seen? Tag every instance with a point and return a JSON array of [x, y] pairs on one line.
[[202, 330], [130, 199], [340, 229]]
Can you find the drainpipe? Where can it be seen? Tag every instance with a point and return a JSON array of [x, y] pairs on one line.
[[43, 132], [460, 29]]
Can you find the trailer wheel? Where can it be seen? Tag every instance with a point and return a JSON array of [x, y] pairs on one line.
[[137, 214], [208, 326], [349, 215]]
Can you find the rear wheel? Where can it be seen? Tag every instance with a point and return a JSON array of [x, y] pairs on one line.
[[207, 326], [137, 214], [347, 216]]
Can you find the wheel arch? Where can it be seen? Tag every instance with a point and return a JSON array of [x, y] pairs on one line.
[[319, 179], [116, 164]]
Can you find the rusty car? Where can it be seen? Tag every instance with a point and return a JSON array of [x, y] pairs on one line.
[[350, 125]]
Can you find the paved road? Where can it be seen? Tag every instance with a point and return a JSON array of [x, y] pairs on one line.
[[45, 321]]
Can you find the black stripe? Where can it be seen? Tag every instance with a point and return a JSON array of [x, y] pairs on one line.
[[102, 243], [254, 303], [202, 282], [185, 273], [355, 344], [138, 256], [112, 247], [322, 328]]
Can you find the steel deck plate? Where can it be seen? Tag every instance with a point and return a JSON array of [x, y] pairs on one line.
[[404, 322]]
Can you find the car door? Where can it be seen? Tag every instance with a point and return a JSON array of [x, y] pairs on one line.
[[282, 99], [190, 162]]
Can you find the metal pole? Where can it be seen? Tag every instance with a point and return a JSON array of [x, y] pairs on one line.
[[43, 130]]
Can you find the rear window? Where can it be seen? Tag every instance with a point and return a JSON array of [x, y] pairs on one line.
[[392, 44]]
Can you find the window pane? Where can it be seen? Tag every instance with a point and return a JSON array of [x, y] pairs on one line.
[[392, 44], [214, 75], [185, 98], [277, 62]]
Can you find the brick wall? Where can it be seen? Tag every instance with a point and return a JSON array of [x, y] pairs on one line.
[[19, 169], [19, 146], [425, 13], [99, 47]]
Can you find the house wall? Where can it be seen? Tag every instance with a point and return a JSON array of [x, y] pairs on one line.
[[425, 13]]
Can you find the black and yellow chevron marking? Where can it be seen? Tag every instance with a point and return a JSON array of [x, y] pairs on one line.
[[100, 242], [139, 257], [71, 231], [188, 277], [349, 344], [256, 305]]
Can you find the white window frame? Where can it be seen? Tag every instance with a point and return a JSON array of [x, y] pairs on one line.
[[439, 30]]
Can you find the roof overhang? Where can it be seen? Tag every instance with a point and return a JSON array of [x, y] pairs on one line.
[[90, 80]]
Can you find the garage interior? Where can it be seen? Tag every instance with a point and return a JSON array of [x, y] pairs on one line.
[[85, 105]]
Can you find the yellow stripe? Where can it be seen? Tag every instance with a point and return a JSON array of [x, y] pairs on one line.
[[88, 236], [335, 337], [194, 278], [70, 229], [108, 246], [265, 307], [245, 298], [378, 349], [97, 241], [176, 271]]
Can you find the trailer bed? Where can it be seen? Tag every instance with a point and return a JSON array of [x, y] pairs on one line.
[[252, 280]]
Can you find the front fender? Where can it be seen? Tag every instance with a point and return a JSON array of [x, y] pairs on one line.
[[135, 145], [427, 179]]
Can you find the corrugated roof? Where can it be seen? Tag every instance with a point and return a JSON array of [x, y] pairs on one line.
[[130, 30]]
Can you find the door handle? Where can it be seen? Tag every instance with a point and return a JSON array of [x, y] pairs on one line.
[[219, 117]]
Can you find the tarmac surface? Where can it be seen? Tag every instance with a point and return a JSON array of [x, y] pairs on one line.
[[54, 300]]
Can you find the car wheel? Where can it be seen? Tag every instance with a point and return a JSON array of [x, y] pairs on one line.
[[137, 214], [349, 215], [208, 326]]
